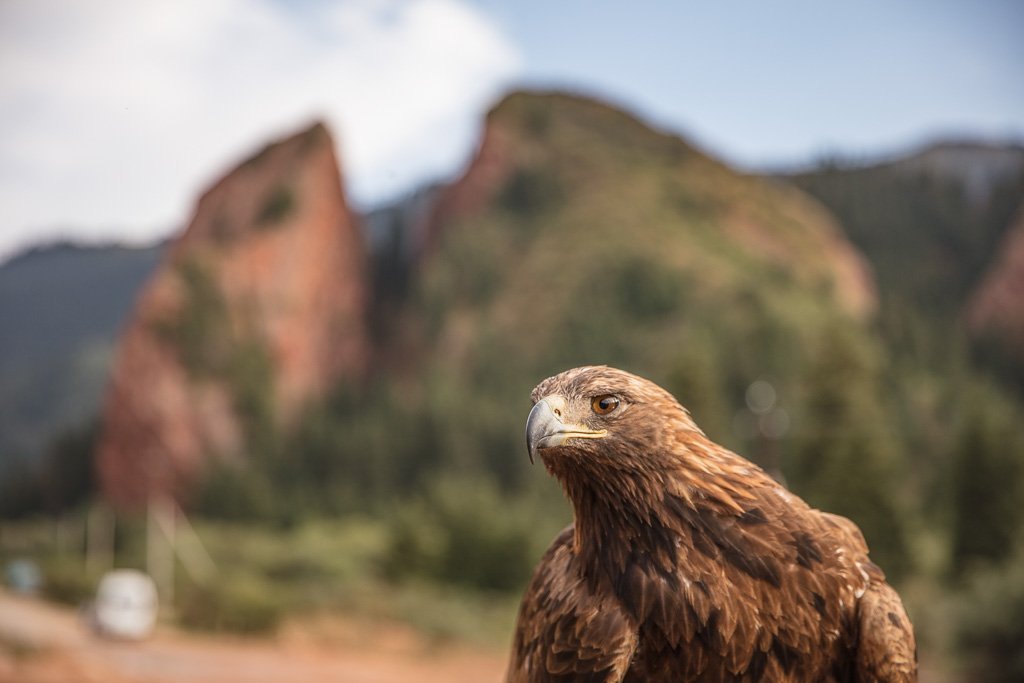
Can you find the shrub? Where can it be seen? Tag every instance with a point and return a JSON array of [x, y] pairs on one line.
[[462, 532], [648, 291], [988, 479], [990, 630], [64, 580], [531, 191], [278, 205], [241, 604]]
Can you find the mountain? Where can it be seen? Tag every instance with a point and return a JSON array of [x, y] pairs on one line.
[[930, 222], [995, 312], [579, 234], [62, 306], [258, 308], [576, 218]]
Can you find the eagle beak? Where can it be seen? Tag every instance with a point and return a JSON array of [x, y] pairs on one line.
[[545, 428]]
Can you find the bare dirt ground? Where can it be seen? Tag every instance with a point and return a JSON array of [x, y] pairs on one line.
[[44, 643]]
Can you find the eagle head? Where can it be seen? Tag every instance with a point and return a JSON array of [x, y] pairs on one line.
[[601, 417]]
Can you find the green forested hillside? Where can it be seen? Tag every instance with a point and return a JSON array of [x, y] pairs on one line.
[[930, 222]]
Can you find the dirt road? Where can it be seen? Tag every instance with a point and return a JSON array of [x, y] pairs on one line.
[[43, 643]]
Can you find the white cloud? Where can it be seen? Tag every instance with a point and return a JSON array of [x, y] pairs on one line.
[[115, 113]]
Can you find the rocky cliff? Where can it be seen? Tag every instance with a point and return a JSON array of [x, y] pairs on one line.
[[258, 309], [996, 310]]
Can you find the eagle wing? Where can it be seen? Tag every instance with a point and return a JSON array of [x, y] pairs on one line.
[[886, 650], [564, 631]]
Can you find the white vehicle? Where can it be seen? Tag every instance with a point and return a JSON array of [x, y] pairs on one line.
[[126, 605]]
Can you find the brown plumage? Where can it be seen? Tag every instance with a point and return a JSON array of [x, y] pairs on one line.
[[687, 562]]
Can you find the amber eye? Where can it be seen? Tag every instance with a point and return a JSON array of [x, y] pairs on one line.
[[604, 404]]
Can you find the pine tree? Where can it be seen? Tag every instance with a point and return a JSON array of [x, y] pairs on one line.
[[845, 457], [988, 480]]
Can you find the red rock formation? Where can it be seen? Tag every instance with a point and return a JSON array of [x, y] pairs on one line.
[[260, 306], [997, 307], [475, 190]]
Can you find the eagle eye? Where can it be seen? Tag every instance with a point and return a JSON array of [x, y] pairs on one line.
[[604, 404]]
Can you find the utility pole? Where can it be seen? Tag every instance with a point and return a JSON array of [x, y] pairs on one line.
[[160, 534], [170, 537]]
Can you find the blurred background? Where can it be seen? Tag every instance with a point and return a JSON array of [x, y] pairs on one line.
[[277, 277]]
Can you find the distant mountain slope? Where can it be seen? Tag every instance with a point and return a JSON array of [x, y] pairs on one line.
[[930, 223], [573, 209], [62, 306], [995, 312]]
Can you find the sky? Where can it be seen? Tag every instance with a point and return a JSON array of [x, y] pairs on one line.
[[116, 114]]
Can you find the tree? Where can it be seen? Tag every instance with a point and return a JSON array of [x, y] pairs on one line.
[[846, 454], [67, 476], [990, 622], [988, 479]]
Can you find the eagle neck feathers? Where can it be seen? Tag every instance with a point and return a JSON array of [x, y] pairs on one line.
[[638, 514]]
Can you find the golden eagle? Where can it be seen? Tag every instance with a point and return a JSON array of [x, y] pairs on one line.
[[686, 562]]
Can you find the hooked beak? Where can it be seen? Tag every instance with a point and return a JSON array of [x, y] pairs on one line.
[[545, 428]]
